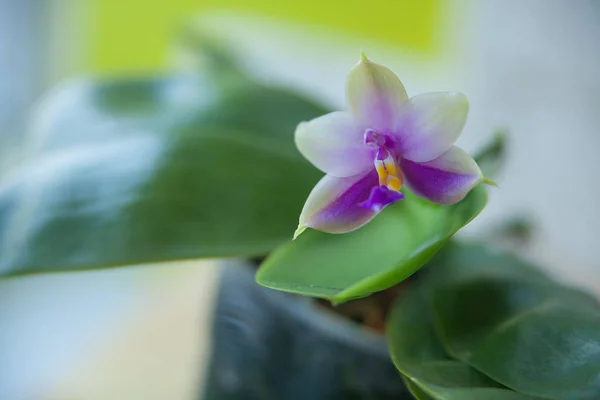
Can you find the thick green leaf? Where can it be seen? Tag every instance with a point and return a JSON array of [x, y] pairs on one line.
[[535, 337], [460, 261], [415, 390], [502, 317], [418, 355], [379, 255], [131, 171]]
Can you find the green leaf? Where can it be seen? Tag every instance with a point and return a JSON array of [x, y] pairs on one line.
[[460, 261], [419, 356], [196, 48], [501, 317], [129, 171], [491, 158], [536, 337], [415, 390], [379, 255]]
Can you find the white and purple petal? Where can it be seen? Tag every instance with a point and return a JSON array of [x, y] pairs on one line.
[[429, 124], [374, 94], [334, 143], [444, 180], [340, 205]]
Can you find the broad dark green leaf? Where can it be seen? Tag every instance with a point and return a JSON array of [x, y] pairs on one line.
[[418, 355], [534, 336], [415, 390], [379, 255], [130, 171], [461, 261], [506, 319]]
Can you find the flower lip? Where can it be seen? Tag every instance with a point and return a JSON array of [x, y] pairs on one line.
[[385, 161], [380, 197]]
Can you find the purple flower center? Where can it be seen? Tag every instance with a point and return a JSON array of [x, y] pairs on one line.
[[380, 197], [374, 138], [390, 176]]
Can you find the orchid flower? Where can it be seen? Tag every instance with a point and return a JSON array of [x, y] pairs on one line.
[[383, 142]]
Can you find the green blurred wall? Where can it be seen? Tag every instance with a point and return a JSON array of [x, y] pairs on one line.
[[134, 34]]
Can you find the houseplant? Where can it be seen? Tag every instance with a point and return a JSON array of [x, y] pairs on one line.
[[202, 164]]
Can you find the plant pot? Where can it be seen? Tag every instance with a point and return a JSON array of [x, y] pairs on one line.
[[273, 345]]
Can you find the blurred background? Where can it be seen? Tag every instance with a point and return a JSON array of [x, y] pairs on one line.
[[530, 67]]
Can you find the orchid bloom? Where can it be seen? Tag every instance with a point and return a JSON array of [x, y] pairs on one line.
[[383, 142]]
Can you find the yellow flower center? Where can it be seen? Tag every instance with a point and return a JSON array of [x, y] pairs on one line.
[[389, 173]]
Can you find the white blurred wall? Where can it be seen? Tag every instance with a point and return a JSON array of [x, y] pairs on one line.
[[21, 70], [536, 72]]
